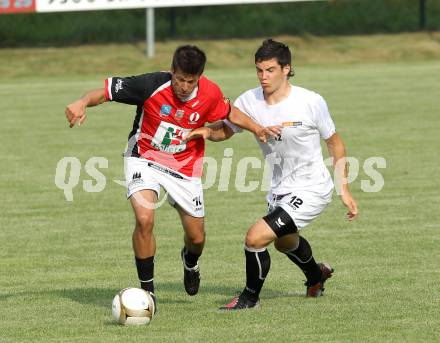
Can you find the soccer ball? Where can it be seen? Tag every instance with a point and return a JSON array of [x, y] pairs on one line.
[[133, 306]]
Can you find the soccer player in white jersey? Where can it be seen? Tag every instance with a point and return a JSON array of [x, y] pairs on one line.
[[301, 185]]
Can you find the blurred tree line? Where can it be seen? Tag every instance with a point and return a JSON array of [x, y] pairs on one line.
[[215, 22]]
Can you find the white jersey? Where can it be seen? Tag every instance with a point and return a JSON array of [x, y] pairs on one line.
[[296, 158]]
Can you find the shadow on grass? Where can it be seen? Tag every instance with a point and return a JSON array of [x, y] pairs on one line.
[[89, 296], [219, 289], [102, 296], [5, 296]]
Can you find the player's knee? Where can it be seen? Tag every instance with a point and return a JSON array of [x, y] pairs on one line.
[[254, 241], [145, 224], [198, 238]]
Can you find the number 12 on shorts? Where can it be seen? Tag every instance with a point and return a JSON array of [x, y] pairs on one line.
[[295, 202]]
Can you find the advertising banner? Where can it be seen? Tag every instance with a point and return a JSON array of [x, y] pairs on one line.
[[89, 5], [17, 6]]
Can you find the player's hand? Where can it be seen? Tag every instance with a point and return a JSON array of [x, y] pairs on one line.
[[264, 133], [76, 113], [201, 132], [351, 205]]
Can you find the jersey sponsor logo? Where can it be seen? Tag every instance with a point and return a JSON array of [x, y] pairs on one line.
[[118, 85], [195, 103], [179, 114], [169, 138], [193, 118], [165, 110], [292, 123]]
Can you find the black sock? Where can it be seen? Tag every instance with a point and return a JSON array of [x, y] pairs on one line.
[[257, 268], [303, 258], [145, 270], [189, 258]]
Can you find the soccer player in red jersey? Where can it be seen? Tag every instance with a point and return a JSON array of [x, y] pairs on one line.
[[169, 105]]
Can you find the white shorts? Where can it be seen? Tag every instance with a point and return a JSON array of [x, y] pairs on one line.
[[187, 192], [303, 206]]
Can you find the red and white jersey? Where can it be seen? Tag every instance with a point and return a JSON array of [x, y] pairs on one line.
[[162, 119]]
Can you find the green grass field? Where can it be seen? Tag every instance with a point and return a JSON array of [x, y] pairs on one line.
[[62, 262]]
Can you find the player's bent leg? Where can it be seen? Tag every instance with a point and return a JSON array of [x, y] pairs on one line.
[[259, 235], [144, 243], [302, 214], [194, 239]]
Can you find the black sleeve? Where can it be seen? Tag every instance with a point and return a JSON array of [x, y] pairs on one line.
[[134, 90]]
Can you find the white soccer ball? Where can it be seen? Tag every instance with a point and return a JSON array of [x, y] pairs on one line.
[[133, 306]]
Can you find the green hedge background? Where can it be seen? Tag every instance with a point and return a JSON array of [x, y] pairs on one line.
[[237, 21]]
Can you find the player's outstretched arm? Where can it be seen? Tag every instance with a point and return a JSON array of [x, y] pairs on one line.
[[240, 119], [76, 111], [336, 149], [216, 132]]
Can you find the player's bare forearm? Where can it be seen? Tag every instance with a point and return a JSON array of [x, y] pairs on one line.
[[240, 119], [93, 97], [215, 132], [336, 149], [219, 131]]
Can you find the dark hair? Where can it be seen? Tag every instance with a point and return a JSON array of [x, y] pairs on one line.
[[273, 49], [189, 59]]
